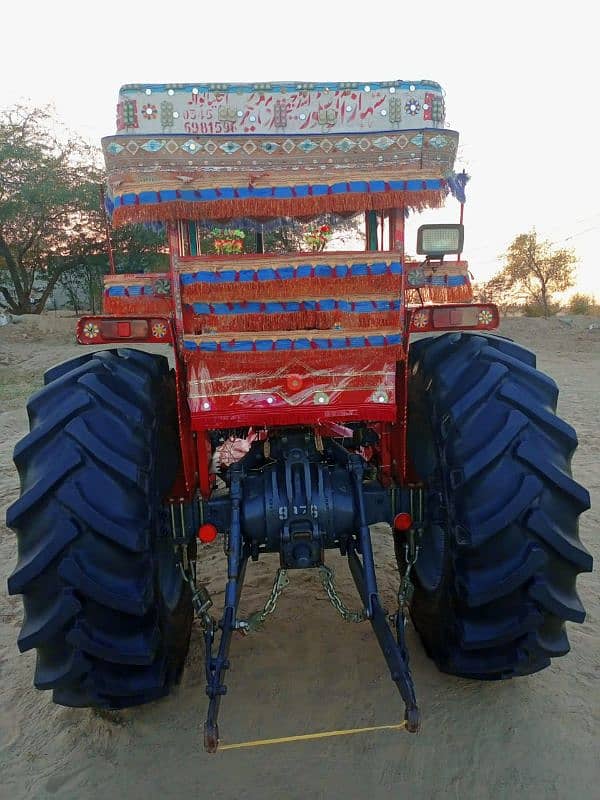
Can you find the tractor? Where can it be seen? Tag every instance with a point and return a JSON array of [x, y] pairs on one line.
[[310, 394]]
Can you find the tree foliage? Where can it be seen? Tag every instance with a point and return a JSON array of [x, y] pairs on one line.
[[49, 210], [535, 272], [499, 290], [51, 222]]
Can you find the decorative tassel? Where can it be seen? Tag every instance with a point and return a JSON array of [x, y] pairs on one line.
[[296, 322], [123, 306], [439, 294], [295, 288], [170, 211]]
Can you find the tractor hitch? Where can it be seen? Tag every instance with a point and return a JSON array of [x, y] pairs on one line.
[[300, 503]]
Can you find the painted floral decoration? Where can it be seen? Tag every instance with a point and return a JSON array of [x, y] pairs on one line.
[[485, 317], [412, 107], [149, 111], [317, 238], [420, 319], [159, 330], [91, 330]]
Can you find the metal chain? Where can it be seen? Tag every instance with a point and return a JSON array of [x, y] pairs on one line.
[[327, 576], [201, 599], [411, 553], [256, 620], [406, 588]]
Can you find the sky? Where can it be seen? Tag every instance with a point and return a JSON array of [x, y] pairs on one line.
[[521, 84]]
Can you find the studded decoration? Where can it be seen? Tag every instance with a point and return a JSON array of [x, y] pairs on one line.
[[438, 110], [149, 111], [127, 115], [280, 115], [485, 317], [216, 150], [167, 118], [395, 110]]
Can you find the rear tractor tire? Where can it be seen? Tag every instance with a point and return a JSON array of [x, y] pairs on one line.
[[105, 604], [495, 576]]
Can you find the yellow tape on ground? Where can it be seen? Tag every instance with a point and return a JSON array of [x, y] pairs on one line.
[[307, 736]]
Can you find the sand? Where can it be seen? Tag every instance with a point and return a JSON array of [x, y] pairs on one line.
[[309, 671]]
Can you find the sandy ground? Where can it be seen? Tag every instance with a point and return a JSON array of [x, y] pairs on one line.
[[308, 671]]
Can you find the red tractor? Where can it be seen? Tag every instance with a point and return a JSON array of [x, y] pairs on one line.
[[298, 412]]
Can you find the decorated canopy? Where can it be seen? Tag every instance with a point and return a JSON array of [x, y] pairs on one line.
[[202, 151]]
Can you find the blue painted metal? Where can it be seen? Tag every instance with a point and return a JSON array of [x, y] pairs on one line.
[[300, 501]]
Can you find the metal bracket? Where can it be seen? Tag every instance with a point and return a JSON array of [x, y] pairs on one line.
[[216, 666], [395, 652]]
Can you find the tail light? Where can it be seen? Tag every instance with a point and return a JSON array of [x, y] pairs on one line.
[[101, 330], [473, 316]]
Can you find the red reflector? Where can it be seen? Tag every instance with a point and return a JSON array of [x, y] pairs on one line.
[[294, 382], [123, 328], [207, 532], [402, 521]]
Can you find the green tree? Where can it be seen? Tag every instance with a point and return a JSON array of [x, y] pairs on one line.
[[50, 219], [51, 222], [535, 272], [138, 248], [497, 290]]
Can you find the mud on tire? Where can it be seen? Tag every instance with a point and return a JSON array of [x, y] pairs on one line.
[[105, 605], [495, 578]]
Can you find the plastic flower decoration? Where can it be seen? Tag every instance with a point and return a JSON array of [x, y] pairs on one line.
[[317, 238], [228, 241]]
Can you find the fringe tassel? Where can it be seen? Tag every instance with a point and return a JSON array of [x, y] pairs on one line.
[[296, 321], [439, 294], [158, 306], [295, 288], [171, 211]]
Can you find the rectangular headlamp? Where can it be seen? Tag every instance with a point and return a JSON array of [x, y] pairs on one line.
[[440, 240]]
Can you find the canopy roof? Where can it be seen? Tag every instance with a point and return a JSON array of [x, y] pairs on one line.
[[197, 151]]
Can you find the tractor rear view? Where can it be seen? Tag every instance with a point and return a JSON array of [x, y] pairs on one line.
[[298, 411]]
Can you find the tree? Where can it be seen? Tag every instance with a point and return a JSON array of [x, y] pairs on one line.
[[51, 223], [50, 219], [535, 272], [497, 290]]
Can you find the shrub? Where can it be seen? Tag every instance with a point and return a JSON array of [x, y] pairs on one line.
[[581, 303], [537, 309]]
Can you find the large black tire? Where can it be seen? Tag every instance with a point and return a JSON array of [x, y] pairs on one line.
[[105, 604], [495, 576]]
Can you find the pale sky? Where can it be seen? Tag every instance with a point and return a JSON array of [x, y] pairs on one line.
[[520, 81]]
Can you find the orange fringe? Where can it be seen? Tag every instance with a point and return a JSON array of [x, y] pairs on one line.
[[297, 288], [439, 294], [296, 321], [172, 211], [159, 306]]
